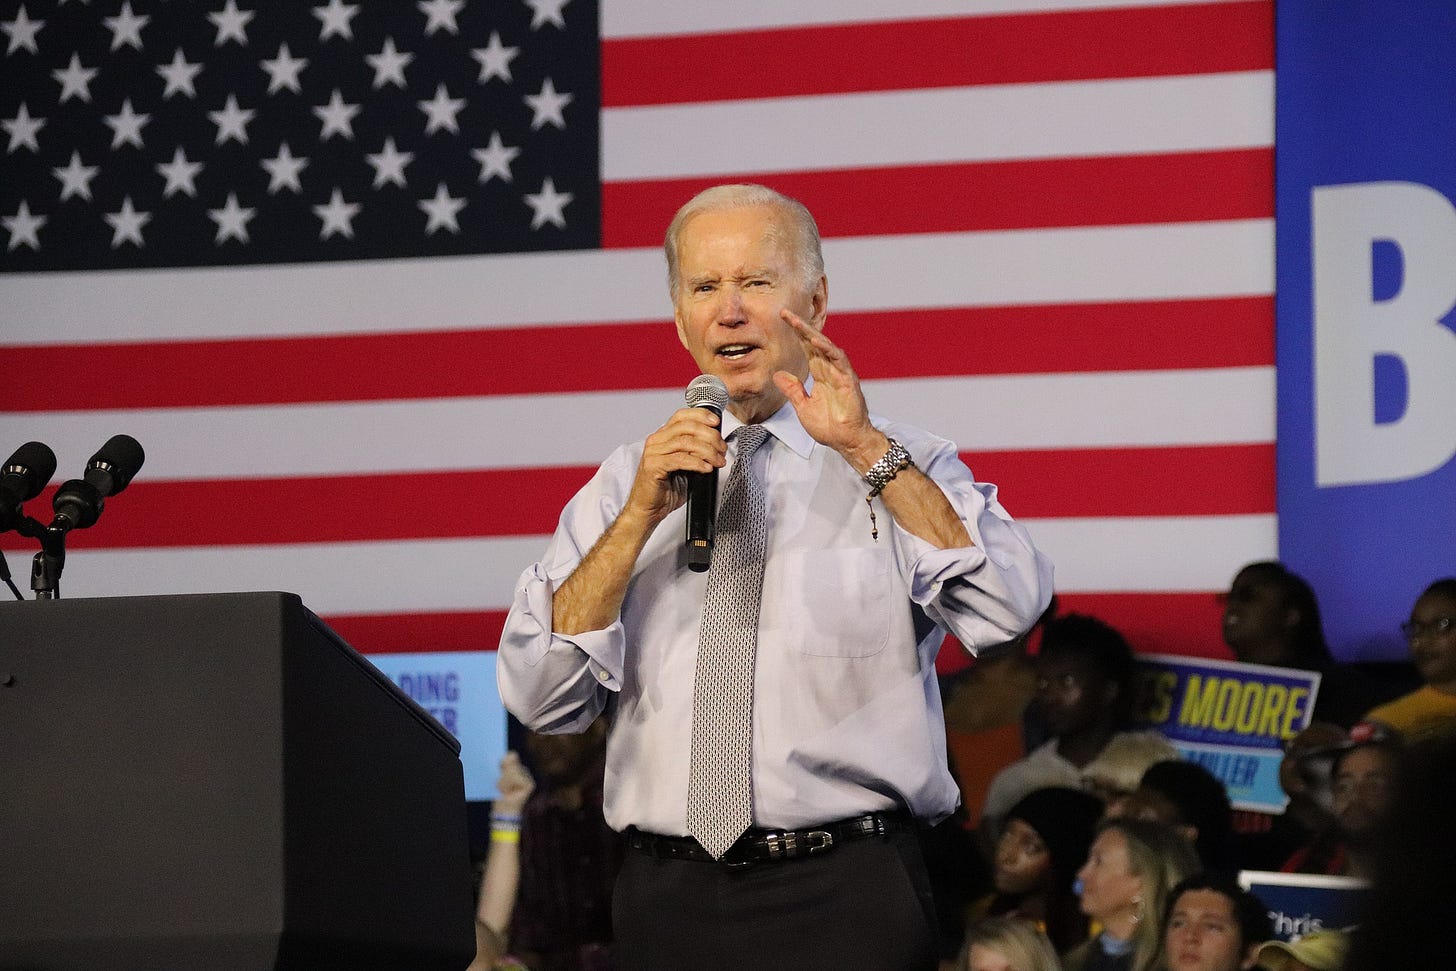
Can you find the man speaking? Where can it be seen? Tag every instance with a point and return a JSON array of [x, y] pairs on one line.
[[776, 731]]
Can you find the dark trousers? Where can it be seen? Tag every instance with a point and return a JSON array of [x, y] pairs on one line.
[[865, 906]]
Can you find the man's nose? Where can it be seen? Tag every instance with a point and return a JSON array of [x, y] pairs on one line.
[[730, 306]]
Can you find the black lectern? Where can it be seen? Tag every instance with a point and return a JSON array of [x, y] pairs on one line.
[[218, 782]]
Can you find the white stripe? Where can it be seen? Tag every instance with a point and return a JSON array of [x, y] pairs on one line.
[[996, 412], [646, 18], [1125, 116], [1149, 554], [1090, 555], [1083, 264]]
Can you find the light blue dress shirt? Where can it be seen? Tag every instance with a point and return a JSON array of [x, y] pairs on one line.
[[846, 713]]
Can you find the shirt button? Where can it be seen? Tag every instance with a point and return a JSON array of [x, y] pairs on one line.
[[604, 676]]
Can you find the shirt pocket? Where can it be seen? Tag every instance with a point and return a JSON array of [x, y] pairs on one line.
[[844, 599]]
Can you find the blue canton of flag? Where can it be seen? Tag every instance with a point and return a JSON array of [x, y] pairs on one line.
[[142, 134]]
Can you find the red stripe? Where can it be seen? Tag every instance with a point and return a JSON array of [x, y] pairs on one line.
[[948, 52], [1208, 480], [980, 196], [1187, 624], [1060, 338], [1154, 623], [527, 502], [419, 633]]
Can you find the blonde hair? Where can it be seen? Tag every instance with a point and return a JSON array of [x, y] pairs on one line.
[[1119, 767], [1161, 857], [1023, 946], [805, 246]]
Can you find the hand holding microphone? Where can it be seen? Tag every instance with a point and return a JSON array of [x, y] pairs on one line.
[[705, 391]]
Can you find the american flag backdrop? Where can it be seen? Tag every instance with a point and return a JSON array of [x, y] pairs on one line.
[[377, 285]]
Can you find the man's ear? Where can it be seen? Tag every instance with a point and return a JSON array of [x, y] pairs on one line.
[[819, 304], [682, 333]]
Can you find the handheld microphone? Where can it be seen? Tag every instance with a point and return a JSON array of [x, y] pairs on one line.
[[78, 502], [22, 478], [705, 391]]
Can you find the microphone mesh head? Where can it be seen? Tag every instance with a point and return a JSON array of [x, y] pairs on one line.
[[707, 391]]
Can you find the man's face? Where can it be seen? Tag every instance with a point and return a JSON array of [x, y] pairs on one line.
[[1362, 790], [1071, 693], [1203, 934], [736, 272]]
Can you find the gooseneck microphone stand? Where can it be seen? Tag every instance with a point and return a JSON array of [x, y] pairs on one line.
[[45, 569]]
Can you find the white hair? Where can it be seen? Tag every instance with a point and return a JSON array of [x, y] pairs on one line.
[[805, 247]]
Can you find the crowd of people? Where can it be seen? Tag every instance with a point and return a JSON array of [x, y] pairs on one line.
[[779, 778], [1099, 849]]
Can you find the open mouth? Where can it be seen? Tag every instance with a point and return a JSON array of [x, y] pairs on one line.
[[734, 352]]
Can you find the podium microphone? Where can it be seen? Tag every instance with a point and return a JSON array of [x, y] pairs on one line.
[[705, 391], [22, 478], [78, 502]]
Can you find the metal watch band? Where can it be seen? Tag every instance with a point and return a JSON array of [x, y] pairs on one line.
[[889, 465]]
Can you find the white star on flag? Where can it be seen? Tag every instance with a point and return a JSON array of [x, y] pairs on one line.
[[337, 117], [126, 126], [338, 216], [231, 121], [442, 210], [548, 205], [283, 70], [126, 28], [180, 174], [231, 24], [389, 163], [547, 12], [441, 111], [23, 129], [440, 15], [179, 76], [546, 106], [495, 159], [75, 80], [389, 65], [76, 178], [334, 19], [126, 225], [495, 59], [21, 31], [24, 228], [232, 220], [283, 170]]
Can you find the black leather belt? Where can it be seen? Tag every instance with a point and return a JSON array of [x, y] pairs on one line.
[[772, 845]]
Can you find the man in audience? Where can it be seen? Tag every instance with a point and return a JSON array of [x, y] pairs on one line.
[[1213, 924], [1083, 671], [1363, 772], [1430, 710]]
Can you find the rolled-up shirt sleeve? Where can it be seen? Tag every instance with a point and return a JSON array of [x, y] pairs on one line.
[[990, 592], [556, 682]]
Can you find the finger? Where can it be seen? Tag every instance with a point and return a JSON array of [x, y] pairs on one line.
[[811, 336]]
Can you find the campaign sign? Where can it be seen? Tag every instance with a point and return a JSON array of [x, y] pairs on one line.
[[1299, 903], [1233, 719], [1366, 282], [459, 690]]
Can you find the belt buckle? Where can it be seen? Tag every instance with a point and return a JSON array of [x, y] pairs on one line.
[[786, 845]]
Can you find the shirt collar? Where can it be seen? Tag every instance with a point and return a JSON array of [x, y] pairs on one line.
[[782, 424]]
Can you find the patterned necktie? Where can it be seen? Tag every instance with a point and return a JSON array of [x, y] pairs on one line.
[[720, 799]]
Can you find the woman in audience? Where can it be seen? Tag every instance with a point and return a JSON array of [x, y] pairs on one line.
[[1430, 710], [1005, 944], [1213, 924], [1131, 867], [1045, 839], [1271, 617]]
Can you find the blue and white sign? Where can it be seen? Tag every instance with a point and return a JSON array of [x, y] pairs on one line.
[[459, 690], [1232, 719], [1301, 903], [1366, 234]]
